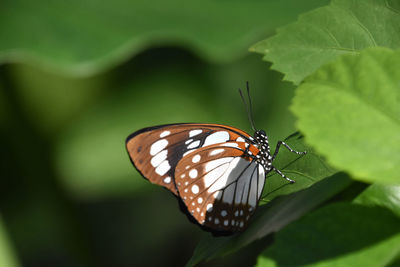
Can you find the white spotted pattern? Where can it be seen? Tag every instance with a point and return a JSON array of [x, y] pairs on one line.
[[195, 189], [163, 168], [160, 157], [209, 207], [195, 132], [188, 141], [196, 158], [164, 134], [194, 144], [193, 173], [216, 151], [231, 144], [158, 146], [216, 138], [240, 139]]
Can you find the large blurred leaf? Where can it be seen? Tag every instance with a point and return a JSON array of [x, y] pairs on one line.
[[50, 101], [349, 110], [7, 255], [271, 218], [305, 170], [345, 26], [387, 196], [341, 234], [85, 36]]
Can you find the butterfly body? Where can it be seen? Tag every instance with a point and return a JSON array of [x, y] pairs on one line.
[[217, 171]]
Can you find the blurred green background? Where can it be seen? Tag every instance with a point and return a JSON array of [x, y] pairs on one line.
[[77, 77]]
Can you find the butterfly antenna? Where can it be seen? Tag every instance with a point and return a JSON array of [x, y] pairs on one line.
[[249, 106]]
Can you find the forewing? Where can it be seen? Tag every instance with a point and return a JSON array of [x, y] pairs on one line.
[[156, 151], [220, 185]]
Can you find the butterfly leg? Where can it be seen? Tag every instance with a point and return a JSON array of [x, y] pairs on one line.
[[288, 147], [283, 176]]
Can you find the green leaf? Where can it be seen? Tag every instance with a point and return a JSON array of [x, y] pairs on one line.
[[7, 255], [349, 111], [318, 37], [285, 209], [305, 170], [387, 196], [83, 37], [341, 234]]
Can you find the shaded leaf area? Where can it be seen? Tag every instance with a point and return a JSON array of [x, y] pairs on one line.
[[91, 157], [305, 170], [7, 254], [319, 37], [352, 117], [387, 196], [271, 218], [84, 37], [340, 234]]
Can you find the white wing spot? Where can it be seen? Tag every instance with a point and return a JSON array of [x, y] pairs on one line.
[[158, 146], [195, 189], [165, 133], [194, 144], [216, 151], [240, 139], [188, 152], [193, 204], [195, 132], [224, 213], [183, 176], [160, 157], [193, 173], [241, 224], [236, 213], [217, 137], [217, 195], [196, 159], [226, 222], [216, 221], [167, 180], [233, 222], [241, 212], [231, 145], [188, 141], [198, 209], [163, 168], [200, 200], [209, 207]]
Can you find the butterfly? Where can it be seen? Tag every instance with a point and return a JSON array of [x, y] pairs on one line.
[[216, 171]]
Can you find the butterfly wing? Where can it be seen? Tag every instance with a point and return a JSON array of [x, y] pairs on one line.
[[156, 151], [221, 185]]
